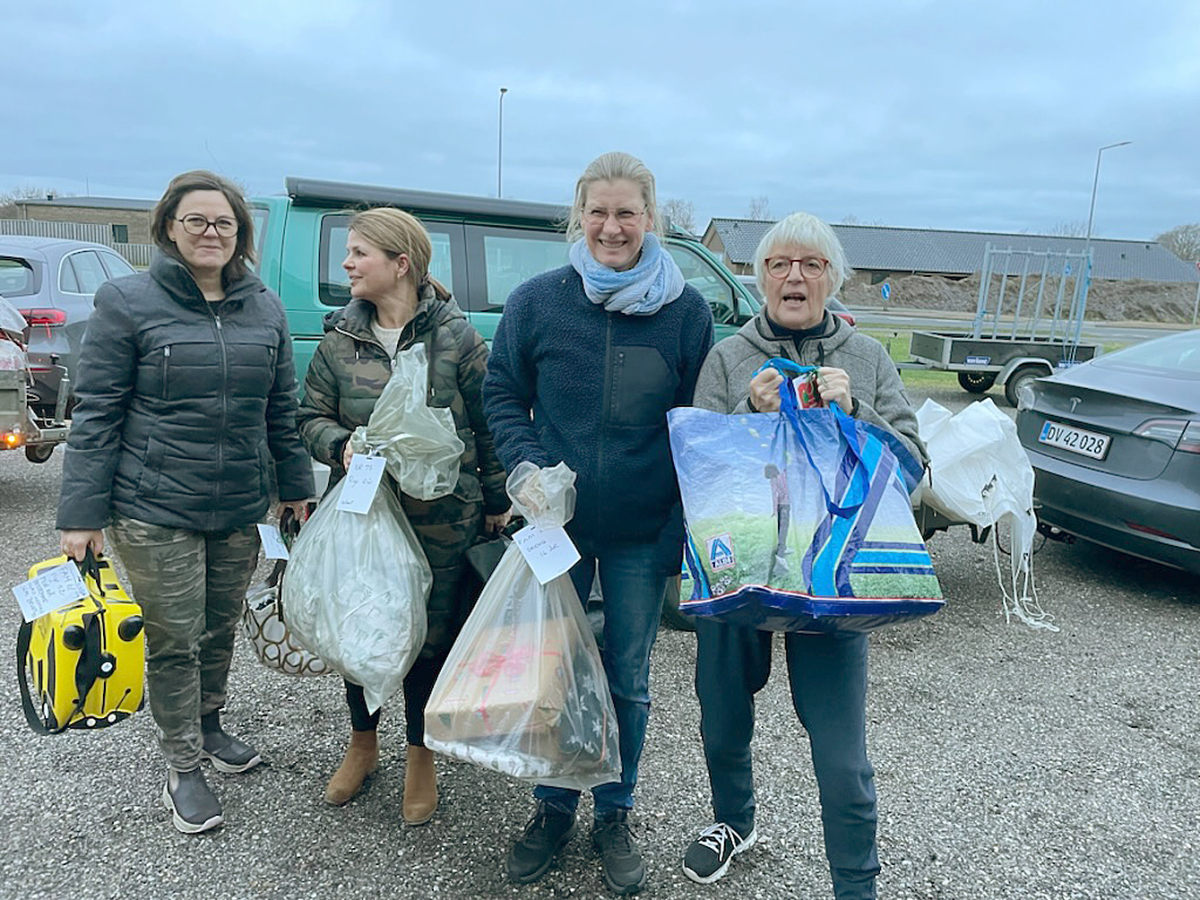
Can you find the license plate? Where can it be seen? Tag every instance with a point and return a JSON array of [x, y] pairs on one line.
[[1085, 443]]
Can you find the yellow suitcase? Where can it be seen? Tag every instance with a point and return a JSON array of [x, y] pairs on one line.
[[83, 666]]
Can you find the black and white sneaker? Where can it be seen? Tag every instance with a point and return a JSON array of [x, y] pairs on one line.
[[709, 856]]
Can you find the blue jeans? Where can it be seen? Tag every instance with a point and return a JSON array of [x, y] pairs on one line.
[[633, 597]]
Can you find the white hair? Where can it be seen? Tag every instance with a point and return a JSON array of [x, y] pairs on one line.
[[803, 229]]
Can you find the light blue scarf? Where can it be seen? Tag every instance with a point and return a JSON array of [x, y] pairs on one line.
[[641, 291]]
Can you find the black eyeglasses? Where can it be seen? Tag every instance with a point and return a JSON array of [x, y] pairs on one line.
[[196, 224]]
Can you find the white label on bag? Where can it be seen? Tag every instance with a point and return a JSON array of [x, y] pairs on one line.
[[272, 541], [52, 589], [548, 551], [362, 481]]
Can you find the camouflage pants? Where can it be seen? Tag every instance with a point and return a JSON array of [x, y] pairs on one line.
[[191, 586], [446, 528]]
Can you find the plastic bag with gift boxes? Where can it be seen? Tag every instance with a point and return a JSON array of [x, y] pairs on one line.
[[523, 691]]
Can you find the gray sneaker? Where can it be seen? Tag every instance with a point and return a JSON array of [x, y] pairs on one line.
[[193, 806], [227, 753], [710, 854]]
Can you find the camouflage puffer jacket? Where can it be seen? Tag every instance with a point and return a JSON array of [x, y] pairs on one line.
[[350, 369]]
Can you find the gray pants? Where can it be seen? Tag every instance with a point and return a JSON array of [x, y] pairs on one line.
[[191, 586]]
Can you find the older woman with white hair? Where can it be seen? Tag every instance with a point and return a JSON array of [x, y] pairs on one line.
[[799, 265]]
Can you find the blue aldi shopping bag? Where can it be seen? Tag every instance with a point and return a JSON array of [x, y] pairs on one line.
[[799, 520]]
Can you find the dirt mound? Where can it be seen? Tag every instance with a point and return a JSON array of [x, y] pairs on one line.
[[1111, 301]]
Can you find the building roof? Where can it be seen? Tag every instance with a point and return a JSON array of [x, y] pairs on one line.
[[942, 252], [94, 203]]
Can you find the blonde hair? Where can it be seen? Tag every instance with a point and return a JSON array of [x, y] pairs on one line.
[[394, 232], [611, 167]]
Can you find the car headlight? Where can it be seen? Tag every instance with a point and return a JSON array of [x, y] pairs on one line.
[[1025, 396]]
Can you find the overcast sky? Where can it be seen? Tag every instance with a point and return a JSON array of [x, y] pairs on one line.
[[944, 114]]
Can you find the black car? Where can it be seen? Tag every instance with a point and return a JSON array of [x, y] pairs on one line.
[[1115, 448]]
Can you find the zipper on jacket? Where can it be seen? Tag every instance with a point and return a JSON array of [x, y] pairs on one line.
[[224, 389], [608, 398], [166, 366]]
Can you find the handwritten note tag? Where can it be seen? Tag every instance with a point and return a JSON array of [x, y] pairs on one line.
[[362, 480], [272, 541], [51, 590], [548, 551]]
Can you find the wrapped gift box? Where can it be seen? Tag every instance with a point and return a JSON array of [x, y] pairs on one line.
[[513, 681]]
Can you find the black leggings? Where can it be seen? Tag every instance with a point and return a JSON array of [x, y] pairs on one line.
[[418, 685]]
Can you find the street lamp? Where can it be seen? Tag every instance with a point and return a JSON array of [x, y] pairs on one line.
[[1095, 182], [1087, 242], [500, 143]]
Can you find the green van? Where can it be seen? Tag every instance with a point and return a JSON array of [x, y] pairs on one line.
[[482, 249]]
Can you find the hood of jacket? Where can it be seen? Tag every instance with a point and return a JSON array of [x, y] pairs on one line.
[[177, 280], [833, 334]]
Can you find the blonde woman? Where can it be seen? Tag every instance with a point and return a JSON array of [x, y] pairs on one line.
[[586, 361], [394, 304]]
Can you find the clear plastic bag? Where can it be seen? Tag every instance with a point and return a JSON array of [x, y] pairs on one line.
[[419, 443], [356, 592], [523, 691]]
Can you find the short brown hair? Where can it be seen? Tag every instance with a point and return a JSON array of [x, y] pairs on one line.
[[203, 180], [394, 232]]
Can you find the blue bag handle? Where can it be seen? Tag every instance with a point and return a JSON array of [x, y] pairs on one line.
[[789, 405]]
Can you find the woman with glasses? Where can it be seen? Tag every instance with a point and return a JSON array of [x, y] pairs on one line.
[[799, 264], [586, 361], [186, 414]]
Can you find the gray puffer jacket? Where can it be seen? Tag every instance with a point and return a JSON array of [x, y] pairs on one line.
[[875, 386], [183, 406]]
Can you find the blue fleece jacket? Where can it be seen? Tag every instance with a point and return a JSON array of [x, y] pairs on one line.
[[598, 385]]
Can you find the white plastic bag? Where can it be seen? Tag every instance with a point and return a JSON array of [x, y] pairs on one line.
[[419, 443], [356, 592], [979, 473], [523, 691]]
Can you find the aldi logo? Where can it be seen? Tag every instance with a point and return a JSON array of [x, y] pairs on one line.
[[720, 552]]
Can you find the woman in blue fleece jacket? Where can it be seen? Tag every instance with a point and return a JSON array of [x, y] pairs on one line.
[[586, 361]]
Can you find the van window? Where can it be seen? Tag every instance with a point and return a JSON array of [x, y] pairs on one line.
[[513, 260], [335, 284], [704, 278], [258, 216]]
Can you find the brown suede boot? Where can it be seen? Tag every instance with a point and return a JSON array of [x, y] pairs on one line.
[[361, 758], [420, 786]]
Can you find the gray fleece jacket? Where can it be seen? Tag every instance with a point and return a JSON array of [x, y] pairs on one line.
[[875, 386]]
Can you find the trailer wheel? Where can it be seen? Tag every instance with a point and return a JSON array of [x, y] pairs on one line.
[[1019, 378], [976, 382], [38, 453]]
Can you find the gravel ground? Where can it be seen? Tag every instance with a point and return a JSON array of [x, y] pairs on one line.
[[1011, 763]]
